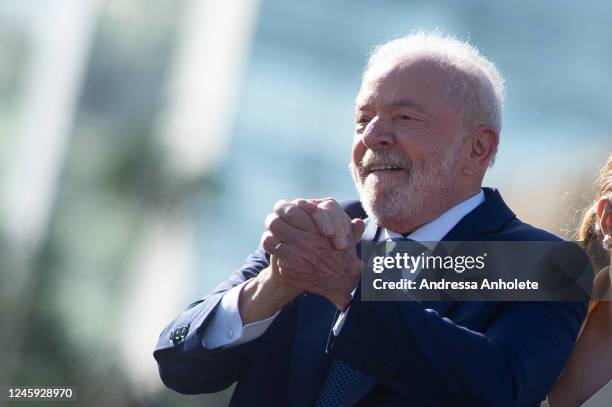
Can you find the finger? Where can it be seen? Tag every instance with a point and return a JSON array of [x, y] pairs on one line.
[[328, 217], [323, 222], [285, 232], [358, 227], [341, 223], [274, 264], [269, 242], [339, 240], [282, 252], [294, 215], [319, 200], [289, 258], [278, 204], [307, 205]]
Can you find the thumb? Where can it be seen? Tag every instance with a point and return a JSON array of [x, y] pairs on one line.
[[357, 227]]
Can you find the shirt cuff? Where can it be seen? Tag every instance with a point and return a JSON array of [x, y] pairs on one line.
[[226, 329]]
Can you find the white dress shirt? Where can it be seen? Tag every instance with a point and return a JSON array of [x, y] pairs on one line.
[[226, 327]]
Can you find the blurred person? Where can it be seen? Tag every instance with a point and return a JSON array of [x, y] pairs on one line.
[[289, 326], [589, 367]]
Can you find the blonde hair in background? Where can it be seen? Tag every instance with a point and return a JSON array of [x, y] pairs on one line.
[[589, 231]]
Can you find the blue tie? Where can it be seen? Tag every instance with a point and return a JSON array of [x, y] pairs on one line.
[[339, 378]]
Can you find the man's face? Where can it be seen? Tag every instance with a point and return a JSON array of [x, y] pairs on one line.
[[408, 144]]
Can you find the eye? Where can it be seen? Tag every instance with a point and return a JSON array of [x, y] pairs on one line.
[[362, 120], [405, 117]]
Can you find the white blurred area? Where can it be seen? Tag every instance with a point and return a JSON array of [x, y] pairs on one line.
[[194, 132], [58, 34], [204, 84], [200, 88], [143, 142]]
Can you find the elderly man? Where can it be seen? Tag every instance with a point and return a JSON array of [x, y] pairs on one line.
[[289, 326]]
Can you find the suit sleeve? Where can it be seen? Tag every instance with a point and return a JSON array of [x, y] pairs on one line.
[[514, 362], [184, 364]]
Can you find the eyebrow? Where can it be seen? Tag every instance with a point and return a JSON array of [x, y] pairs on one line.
[[410, 104], [401, 103]]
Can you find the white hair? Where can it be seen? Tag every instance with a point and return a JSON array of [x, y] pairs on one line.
[[474, 80]]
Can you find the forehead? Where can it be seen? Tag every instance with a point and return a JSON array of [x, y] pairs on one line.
[[419, 80]]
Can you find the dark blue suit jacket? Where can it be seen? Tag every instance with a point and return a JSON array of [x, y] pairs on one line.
[[407, 353]]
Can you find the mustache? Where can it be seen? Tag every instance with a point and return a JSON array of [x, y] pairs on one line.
[[382, 157]]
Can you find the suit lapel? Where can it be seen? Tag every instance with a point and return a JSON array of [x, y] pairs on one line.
[[363, 382], [488, 217], [309, 360], [316, 315]]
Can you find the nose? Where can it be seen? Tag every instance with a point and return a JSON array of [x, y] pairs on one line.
[[377, 134]]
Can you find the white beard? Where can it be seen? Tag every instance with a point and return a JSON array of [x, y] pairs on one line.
[[395, 202]]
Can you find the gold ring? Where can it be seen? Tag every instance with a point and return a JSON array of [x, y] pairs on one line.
[[277, 247]]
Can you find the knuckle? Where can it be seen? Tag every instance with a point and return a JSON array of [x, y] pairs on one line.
[[268, 248], [275, 224], [279, 204], [327, 204], [291, 211], [268, 240], [269, 219], [273, 221], [320, 217]]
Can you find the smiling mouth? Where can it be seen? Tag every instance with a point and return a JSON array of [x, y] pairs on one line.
[[378, 168]]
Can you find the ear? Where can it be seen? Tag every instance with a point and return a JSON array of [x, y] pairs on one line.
[[482, 145], [604, 215]]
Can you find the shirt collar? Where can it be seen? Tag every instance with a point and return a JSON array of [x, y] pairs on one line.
[[436, 229]]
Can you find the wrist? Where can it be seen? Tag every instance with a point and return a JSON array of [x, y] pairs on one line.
[[273, 288], [264, 296]]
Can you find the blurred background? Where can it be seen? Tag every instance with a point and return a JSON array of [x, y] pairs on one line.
[[143, 142]]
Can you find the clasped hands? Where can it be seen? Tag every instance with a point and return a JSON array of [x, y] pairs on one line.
[[312, 247]]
